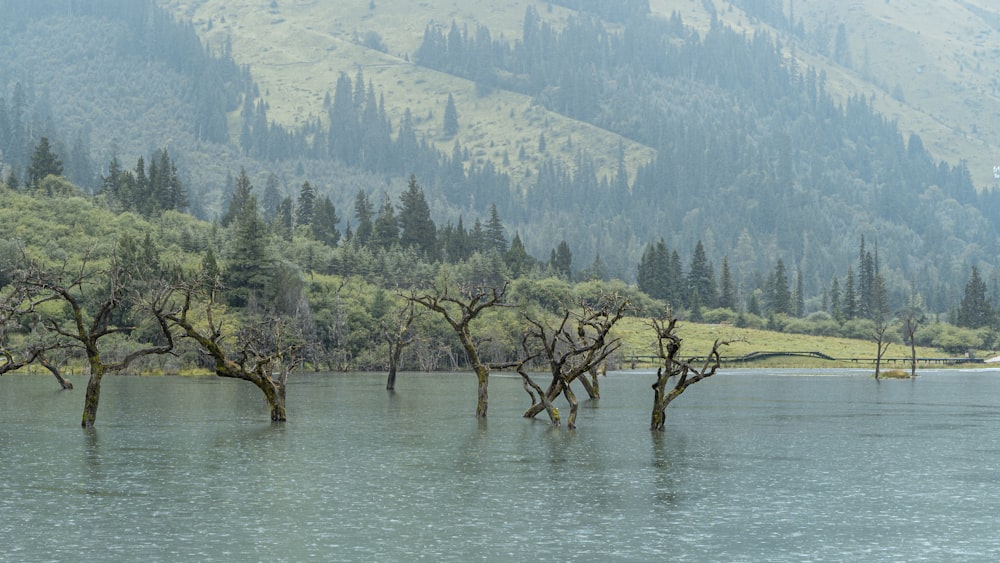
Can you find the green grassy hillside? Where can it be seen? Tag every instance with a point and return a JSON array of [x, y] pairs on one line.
[[938, 59]]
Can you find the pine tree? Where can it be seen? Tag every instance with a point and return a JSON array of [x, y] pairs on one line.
[[248, 267], [975, 310], [306, 205], [44, 162], [324, 224], [850, 303], [450, 117], [700, 278], [727, 291], [364, 212], [496, 239], [418, 230], [561, 261], [517, 258], [798, 296], [386, 228], [780, 296]]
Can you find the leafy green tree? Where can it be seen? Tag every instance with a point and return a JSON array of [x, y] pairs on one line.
[[44, 162]]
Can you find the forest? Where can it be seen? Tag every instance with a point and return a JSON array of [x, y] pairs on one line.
[[155, 175]]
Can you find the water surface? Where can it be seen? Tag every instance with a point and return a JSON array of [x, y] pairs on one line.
[[754, 465]]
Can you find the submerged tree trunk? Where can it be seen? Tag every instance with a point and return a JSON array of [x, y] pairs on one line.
[[668, 348], [542, 401], [92, 397], [573, 406], [395, 351], [274, 393]]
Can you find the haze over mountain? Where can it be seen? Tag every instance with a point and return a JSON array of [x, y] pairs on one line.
[[764, 129]]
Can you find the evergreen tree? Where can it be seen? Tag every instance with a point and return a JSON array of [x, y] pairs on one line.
[[517, 258], [242, 191], [306, 205], [496, 239], [561, 261], [798, 296], [727, 291], [418, 230], [850, 303], [324, 223], [364, 212], [701, 280], [386, 228], [780, 296], [248, 267], [975, 310], [283, 219], [450, 117], [271, 198], [44, 162], [836, 306]]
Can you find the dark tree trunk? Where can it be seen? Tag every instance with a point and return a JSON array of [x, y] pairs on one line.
[[65, 383], [591, 385], [93, 397], [395, 351], [573, 406]]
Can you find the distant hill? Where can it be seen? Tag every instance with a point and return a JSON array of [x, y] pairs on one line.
[[762, 129]]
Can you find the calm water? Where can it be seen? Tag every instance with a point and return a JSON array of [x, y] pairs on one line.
[[754, 466]]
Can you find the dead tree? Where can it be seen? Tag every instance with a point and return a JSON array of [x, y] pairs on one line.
[[459, 308], [396, 331], [685, 372], [572, 347], [880, 337], [92, 295], [911, 317], [264, 353]]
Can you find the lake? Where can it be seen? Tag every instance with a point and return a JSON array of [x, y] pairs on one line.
[[755, 465]]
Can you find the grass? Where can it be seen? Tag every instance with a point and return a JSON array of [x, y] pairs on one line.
[[639, 339], [297, 52]]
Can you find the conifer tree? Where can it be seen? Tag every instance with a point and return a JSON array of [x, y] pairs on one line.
[[386, 228], [496, 239], [561, 261], [450, 117], [727, 291], [975, 310], [364, 212], [418, 230], [44, 162], [324, 224], [306, 205]]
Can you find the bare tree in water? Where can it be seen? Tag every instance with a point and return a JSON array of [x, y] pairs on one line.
[[685, 372], [459, 306], [93, 295], [573, 346], [880, 336], [397, 334], [264, 352]]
